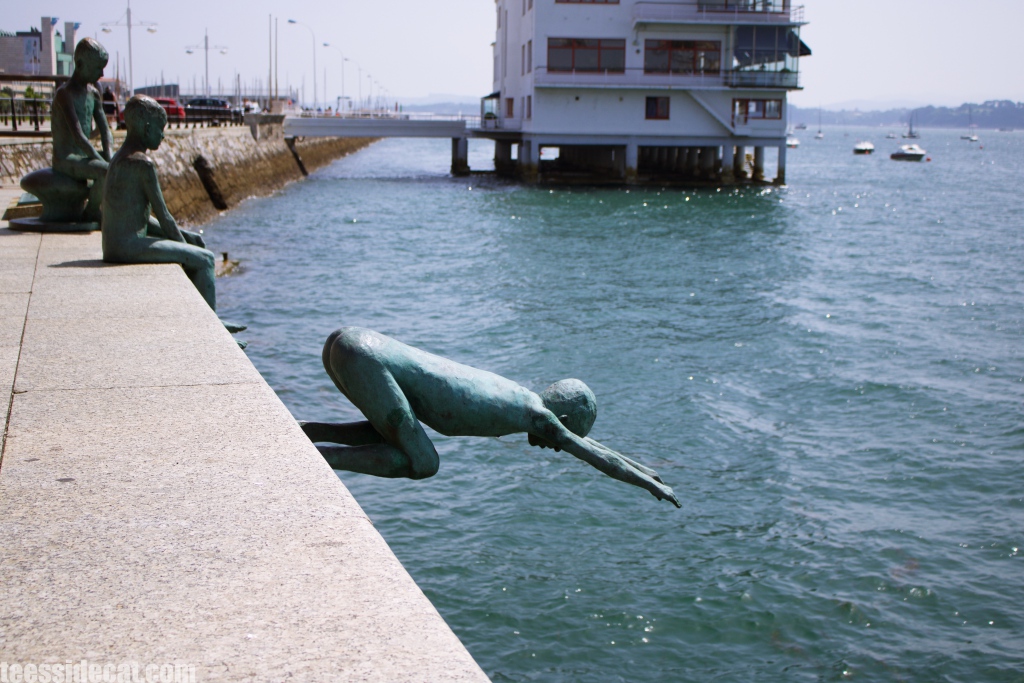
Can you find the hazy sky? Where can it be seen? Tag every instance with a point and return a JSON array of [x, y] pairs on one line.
[[886, 51]]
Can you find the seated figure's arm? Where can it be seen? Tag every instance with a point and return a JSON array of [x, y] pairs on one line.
[[151, 186], [99, 118], [69, 118], [601, 457]]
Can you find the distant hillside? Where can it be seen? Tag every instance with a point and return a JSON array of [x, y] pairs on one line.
[[991, 114]]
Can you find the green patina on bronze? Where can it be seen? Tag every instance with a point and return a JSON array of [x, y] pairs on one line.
[[72, 190], [137, 227], [397, 387]]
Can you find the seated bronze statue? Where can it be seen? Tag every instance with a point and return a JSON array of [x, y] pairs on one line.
[[397, 387], [71, 191], [130, 233]]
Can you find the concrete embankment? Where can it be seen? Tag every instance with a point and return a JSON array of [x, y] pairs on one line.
[[240, 165], [162, 517]]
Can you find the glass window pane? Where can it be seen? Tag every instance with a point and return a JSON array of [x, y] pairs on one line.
[[613, 55], [682, 61], [586, 59], [559, 59], [656, 56]]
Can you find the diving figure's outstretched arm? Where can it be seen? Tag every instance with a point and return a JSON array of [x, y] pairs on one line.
[[616, 466]]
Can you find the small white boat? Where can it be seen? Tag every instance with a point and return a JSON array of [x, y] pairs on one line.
[[890, 136], [864, 147], [908, 153], [792, 142], [819, 135]]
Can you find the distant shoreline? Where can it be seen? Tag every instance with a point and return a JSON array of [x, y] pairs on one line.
[[990, 115]]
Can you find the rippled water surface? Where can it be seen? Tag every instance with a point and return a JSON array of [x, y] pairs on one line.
[[830, 375]]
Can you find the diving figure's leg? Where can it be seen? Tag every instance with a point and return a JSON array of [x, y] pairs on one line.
[[346, 434], [372, 389]]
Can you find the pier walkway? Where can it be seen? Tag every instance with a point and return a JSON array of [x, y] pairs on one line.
[[458, 128], [160, 506]]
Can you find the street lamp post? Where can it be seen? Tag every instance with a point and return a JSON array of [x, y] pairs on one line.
[[150, 27], [313, 36], [206, 49], [343, 60]]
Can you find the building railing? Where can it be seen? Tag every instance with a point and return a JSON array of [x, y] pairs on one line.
[[639, 78], [763, 79], [719, 12]]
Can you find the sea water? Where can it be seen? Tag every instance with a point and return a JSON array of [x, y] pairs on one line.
[[830, 375]]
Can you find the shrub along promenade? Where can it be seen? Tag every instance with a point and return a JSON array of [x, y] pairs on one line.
[[159, 506]]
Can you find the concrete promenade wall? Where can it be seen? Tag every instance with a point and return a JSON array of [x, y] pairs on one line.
[[242, 166], [159, 505]]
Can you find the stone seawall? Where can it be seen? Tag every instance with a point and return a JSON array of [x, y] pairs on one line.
[[241, 166]]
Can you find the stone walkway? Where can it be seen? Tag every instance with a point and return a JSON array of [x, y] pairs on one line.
[[159, 505]]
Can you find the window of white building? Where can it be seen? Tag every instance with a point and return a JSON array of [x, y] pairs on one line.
[[657, 108], [682, 56], [587, 54]]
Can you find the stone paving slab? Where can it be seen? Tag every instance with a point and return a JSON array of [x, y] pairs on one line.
[[80, 353]]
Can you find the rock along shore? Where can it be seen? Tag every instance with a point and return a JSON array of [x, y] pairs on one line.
[[241, 166]]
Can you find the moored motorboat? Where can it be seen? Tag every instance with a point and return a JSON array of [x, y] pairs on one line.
[[792, 142], [908, 153], [864, 147]]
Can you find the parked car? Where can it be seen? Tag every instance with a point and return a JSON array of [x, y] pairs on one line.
[[175, 112], [207, 109]]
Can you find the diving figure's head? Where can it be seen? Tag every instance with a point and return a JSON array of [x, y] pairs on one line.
[[573, 403]]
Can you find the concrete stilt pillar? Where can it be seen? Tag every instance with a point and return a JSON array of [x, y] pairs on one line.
[[780, 178], [739, 163], [759, 164], [692, 161], [632, 162], [503, 158], [707, 161], [728, 164], [528, 161], [460, 156]]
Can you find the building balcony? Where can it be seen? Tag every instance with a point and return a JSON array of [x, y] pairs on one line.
[[731, 12], [628, 78], [789, 80], [639, 79]]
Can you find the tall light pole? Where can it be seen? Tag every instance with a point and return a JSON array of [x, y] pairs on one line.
[[206, 49], [343, 60], [313, 36], [150, 27]]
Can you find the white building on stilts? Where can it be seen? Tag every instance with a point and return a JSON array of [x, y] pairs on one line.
[[628, 91]]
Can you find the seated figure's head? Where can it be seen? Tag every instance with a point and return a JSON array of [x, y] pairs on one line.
[[573, 403], [145, 119], [90, 60]]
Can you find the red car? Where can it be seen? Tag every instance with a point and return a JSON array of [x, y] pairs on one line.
[[175, 112]]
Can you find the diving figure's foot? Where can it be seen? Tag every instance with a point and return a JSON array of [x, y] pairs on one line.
[[234, 327]]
